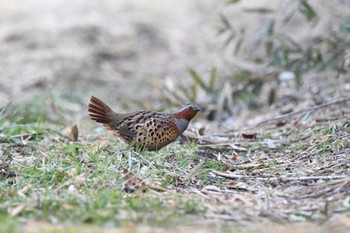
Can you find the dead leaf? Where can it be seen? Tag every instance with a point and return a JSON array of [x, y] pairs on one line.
[[180, 181], [74, 133], [234, 155], [298, 124], [211, 188], [133, 183], [71, 189], [320, 138], [281, 123], [72, 172], [237, 148], [67, 206], [24, 190], [249, 135], [270, 144], [287, 110], [5, 170], [201, 131], [17, 210], [80, 178], [99, 145]]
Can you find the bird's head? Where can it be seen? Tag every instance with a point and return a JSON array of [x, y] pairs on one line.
[[187, 112]]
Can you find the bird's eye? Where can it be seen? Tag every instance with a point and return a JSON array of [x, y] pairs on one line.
[[190, 108]]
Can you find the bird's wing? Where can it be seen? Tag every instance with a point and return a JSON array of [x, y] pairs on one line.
[[128, 126], [159, 121]]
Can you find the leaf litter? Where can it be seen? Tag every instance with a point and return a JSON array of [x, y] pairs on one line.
[[289, 172]]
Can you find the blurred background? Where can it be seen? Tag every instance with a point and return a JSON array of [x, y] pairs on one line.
[[234, 58]]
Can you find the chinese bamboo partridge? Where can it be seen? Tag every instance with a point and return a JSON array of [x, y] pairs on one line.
[[143, 129]]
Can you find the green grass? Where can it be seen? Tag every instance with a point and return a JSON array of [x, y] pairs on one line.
[[75, 183]]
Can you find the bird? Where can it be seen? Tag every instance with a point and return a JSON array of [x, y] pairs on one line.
[[144, 130]]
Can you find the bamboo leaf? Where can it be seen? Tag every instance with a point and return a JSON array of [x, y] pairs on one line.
[[238, 45], [198, 79], [289, 9], [212, 78], [185, 92], [268, 27], [290, 41], [272, 96], [225, 21], [228, 40], [233, 1], [194, 93], [307, 10], [259, 10]]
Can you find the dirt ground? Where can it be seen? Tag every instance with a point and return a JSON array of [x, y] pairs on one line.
[[126, 52]]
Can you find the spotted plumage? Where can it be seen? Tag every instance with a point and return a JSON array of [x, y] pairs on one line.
[[143, 129]]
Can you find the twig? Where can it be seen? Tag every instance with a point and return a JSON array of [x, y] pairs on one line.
[[248, 166], [58, 133], [157, 188], [218, 145], [200, 193], [194, 171], [144, 159], [341, 137], [281, 178]]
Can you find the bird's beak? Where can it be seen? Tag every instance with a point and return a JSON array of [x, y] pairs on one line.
[[197, 108]]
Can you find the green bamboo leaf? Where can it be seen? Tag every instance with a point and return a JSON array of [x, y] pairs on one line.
[[229, 39], [221, 31], [272, 96], [259, 10], [298, 80], [185, 92], [238, 45], [198, 79], [268, 28], [291, 42], [212, 78], [345, 25], [225, 21], [194, 93], [307, 10], [271, 27], [269, 47], [289, 9], [233, 1]]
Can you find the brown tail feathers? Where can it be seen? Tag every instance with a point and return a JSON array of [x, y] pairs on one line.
[[99, 111]]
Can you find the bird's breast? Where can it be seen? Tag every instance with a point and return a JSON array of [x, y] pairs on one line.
[[181, 125]]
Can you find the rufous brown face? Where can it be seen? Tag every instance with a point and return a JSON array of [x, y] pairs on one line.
[[187, 112]]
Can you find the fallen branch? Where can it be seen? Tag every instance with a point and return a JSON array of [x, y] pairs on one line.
[[281, 178]]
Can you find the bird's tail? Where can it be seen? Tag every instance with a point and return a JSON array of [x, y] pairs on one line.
[[100, 112]]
